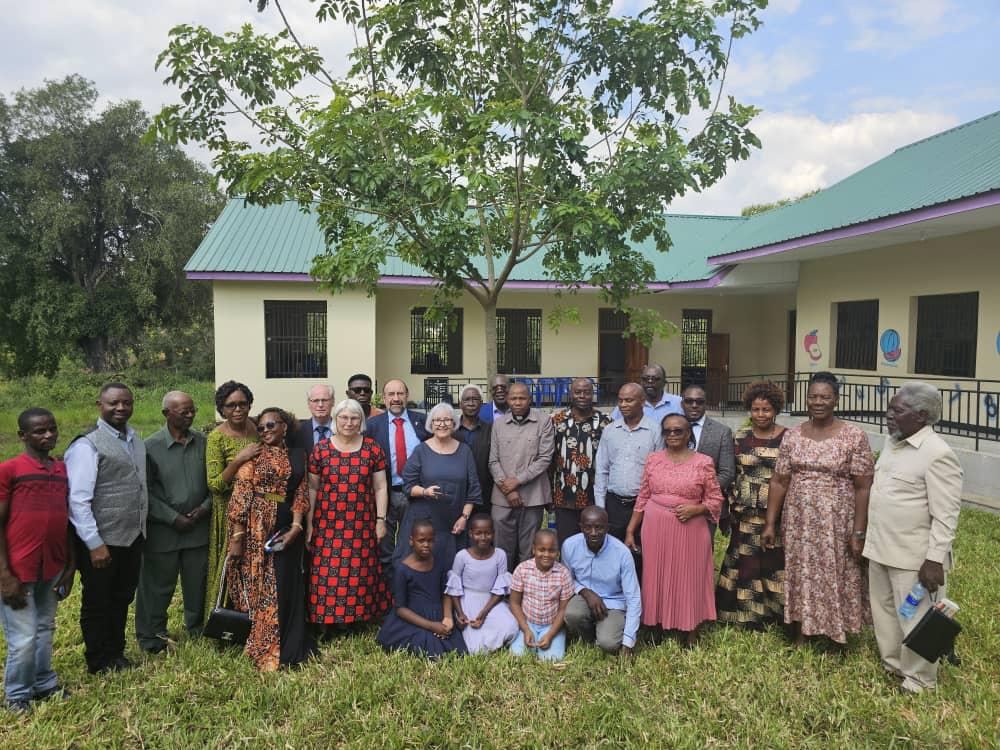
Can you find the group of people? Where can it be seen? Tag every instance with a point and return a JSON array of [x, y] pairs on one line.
[[435, 524]]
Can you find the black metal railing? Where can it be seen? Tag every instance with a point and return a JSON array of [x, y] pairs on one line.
[[970, 408]]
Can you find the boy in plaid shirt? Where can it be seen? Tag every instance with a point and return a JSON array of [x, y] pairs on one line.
[[539, 592]]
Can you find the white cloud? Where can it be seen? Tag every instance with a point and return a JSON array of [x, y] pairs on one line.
[[893, 26], [801, 152], [762, 74], [784, 6]]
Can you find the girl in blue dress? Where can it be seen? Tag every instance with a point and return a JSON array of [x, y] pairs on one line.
[[421, 621]]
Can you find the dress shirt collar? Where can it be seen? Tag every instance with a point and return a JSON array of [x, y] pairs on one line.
[[174, 441], [917, 438], [316, 426], [529, 417], [586, 547], [664, 399], [698, 423], [405, 416], [127, 436]]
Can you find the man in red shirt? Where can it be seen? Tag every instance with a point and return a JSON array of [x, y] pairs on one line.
[[36, 559]]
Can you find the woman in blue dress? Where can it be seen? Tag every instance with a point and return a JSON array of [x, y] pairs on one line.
[[441, 481]]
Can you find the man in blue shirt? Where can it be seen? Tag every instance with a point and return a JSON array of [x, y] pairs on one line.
[[398, 431], [607, 605], [658, 402]]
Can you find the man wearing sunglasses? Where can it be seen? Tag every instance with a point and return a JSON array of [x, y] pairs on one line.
[[359, 387], [715, 440]]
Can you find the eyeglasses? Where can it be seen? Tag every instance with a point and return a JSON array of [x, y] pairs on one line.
[[674, 430], [320, 400], [271, 425], [442, 422], [694, 401], [244, 405], [362, 389]]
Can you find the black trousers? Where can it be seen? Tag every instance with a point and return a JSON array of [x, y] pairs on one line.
[[619, 514], [567, 523], [106, 595]]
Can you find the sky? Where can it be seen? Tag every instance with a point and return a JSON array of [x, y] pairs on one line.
[[840, 83]]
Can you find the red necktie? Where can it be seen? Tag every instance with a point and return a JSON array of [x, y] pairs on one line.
[[400, 447]]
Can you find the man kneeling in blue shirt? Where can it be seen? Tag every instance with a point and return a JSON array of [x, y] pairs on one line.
[[607, 605]]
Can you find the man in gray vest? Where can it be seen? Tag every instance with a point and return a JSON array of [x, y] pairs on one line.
[[107, 506]]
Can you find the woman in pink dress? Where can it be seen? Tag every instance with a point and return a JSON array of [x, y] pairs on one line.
[[678, 496], [820, 491]]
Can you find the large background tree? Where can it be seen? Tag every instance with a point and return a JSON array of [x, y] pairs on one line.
[[471, 135], [96, 223]]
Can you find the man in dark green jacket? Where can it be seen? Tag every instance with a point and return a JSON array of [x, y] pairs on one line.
[[177, 537]]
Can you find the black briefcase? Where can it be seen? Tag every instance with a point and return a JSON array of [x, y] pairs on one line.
[[934, 636], [228, 626]]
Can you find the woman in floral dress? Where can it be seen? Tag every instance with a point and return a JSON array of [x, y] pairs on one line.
[[820, 490]]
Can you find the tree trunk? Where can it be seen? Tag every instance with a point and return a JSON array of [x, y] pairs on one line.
[[490, 321], [95, 353]]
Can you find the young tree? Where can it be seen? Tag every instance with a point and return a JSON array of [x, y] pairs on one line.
[[471, 135], [95, 228]]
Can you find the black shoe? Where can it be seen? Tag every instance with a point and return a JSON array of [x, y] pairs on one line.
[[120, 664], [953, 658], [57, 693], [154, 650], [18, 708]]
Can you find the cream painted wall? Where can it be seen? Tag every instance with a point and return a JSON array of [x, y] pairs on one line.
[[757, 326], [239, 339], [896, 276]]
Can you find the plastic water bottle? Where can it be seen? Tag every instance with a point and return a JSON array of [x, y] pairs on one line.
[[912, 601]]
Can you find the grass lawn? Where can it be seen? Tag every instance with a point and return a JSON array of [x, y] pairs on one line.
[[736, 690]]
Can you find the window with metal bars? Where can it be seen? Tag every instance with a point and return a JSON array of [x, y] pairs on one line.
[[947, 327], [696, 325], [519, 342], [857, 335], [435, 345], [295, 339]]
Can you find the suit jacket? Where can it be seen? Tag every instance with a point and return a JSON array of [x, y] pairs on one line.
[[717, 443], [377, 428], [306, 435]]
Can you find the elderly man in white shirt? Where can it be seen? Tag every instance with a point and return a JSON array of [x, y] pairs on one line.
[[912, 518]]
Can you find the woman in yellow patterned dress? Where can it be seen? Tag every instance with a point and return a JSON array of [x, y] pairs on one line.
[[229, 446], [751, 583]]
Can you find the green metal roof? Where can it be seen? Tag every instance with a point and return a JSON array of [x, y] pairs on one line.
[[284, 239], [958, 163]]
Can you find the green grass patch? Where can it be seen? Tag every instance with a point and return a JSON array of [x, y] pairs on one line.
[[736, 690]]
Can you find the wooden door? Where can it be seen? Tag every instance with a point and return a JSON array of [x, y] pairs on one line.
[[636, 357], [717, 373]]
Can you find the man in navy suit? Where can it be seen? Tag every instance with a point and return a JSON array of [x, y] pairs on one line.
[[491, 409], [319, 399], [398, 432]]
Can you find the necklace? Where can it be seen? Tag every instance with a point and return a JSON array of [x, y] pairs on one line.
[[774, 426]]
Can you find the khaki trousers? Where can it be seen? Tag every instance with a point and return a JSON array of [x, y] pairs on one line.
[[888, 588]]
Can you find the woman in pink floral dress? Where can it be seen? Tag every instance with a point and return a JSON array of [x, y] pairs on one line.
[[820, 489]]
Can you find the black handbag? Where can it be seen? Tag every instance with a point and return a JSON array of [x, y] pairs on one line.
[[228, 626], [934, 636]]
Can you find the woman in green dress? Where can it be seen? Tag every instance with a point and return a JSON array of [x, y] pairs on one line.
[[230, 445]]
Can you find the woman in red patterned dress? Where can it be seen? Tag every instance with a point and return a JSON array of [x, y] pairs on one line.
[[348, 500]]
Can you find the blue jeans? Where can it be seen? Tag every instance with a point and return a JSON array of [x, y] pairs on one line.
[[29, 633], [556, 650]]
